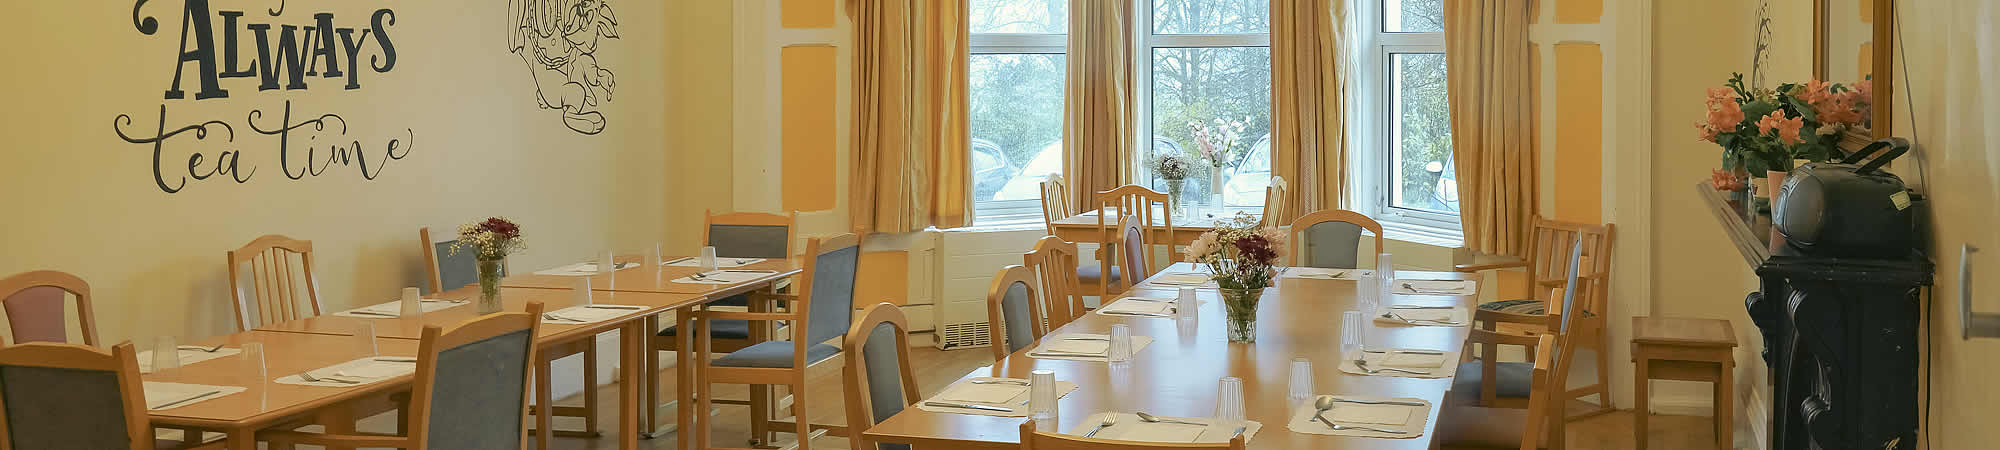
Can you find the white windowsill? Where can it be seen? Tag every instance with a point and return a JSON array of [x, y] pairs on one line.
[[1420, 234]]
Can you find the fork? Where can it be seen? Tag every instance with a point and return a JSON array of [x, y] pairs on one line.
[[1001, 381], [217, 348], [1378, 402], [553, 316], [1393, 315], [308, 376], [1363, 364], [1339, 427], [1414, 288]]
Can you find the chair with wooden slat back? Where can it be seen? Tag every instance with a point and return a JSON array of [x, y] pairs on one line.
[[1276, 210], [822, 311], [1330, 239], [1547, 269], [69, 396], [879, 381], [34, 302], [1013, 317], [1132, 202], [1055, 202], [469, 390], [1032, 439], [275, 282], [1054, 262]]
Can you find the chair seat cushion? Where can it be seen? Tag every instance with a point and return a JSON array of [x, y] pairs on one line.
[[1090, 274], [1515, 379], [719, 329], [1524, 307], [774, 355]]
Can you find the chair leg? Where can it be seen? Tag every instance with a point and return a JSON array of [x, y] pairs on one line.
[[1604, 369], [704, 391], [543, 408], [760, 414], [799, 423], [590, 387]]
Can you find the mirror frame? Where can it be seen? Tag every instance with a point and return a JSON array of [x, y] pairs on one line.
[[1883, 76]]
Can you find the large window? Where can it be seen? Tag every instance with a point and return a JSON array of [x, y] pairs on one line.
[[1203, 60], [1016, 102], [1413, 181]]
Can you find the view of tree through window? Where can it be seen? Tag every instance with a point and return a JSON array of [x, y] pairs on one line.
[[1421, 168], [1211, 59], [1015, 97]]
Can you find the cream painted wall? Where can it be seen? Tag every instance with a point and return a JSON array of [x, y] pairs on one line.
[[700, 95], [81, 200]]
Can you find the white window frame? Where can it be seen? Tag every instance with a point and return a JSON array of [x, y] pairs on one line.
[[1144, 43], [1375, 126], [1013, 212]]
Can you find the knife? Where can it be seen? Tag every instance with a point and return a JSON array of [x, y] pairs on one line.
[[365, 312], [1066, 354], [1412, 352], [1378, 402], [1422, 307], [967, 406], [626, 307], [185, 400], [1130, 313], [677, 261]]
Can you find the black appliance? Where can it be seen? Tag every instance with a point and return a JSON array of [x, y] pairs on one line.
[[1839, 307]]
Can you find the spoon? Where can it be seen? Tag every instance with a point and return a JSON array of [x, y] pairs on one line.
[[1363, 365], [1324, 403], [218, 347], [1109, 420], [1377, 430], [1149, 418]]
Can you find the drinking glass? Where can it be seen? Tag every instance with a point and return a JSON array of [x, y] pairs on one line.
[[1301, 381], [1229, 400], [707, 259], [608, 263], [1350, 333], [1042, 394], [413, 302], [252, 356], [1385, 271], [364, 339], [653, 256], [580, 291], [1186, 302], [1368, 292], [1120, 349], [166, 353]]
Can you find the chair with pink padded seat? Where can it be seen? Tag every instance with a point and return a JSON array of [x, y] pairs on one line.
[[34, 304]]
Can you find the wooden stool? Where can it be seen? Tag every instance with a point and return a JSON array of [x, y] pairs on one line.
[[1684, 350]]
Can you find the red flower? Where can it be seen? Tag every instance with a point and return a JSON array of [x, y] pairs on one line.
[[1255, 248], [501, 227]]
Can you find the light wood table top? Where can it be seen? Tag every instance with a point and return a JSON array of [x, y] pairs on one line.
[[660, 280], [266, 402], [514, 300], [1177, 374], [1683, 332]]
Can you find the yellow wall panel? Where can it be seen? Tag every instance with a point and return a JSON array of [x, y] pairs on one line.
[[1579, 165], [1867, 60], [1579, 11], [1867, 11], [806, 14], [884, 277], [807, 127]]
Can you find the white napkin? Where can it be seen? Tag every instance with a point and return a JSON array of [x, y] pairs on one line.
[[583, 314], [1437, 287], [1370, 414], [1138, 306], [583, 269], [361, 371], [720, 263], [1423, 317], [1436, 366], [1130, 428], [163, 395], [1016, 405], [1182, 279], [983, 393], [395, 308], [1324, 274], [188, 357], [1409, 419], [725, 277], [1058, 344], [1090, 346], [1152, 432]]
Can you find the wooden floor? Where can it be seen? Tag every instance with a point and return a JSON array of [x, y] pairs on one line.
[[935, 369]]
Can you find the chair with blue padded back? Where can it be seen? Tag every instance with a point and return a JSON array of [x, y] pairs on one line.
[[68, 396], [452, 268], [739, 235], [1331, 239], [1013, 316], [823, 311], [1487, 387], [879, 382]]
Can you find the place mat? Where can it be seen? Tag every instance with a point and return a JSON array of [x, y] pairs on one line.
[[1409, 419], [189, 356], [162, 395], [360, 371], [1437, 287], [1129, 307], [394, 309], [585, 314], [1325, 274], [1130, 428], [1439, 366], [1016, 403], [724, 277], [720, 263], [1454, 317], [581, 269], [1189, 279], [1060, 346]]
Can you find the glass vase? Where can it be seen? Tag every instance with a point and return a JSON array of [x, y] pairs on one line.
[[1240, 312], [490, 271], [1175, 188], [1215, 207]]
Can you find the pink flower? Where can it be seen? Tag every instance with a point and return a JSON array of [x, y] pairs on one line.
[[1725, 117], [1787, 129], [1814, 91], [1707, 133], [1864, 92]]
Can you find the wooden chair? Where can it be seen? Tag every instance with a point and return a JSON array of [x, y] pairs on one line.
[[1138, 253], [1038, 440], [1054, 262], [1276, 210], [449, 269], [1546, 270], [877, 374], [1534, 423], [1136, 203], [1329, 239], [739, 235], [1055, 202], [276, 285], [35, 312], [58, 395], [822, 311], [1013, 317], [1487, 384], [470, 389]]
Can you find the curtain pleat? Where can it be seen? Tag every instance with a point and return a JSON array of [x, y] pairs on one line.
[[1492, 121], [1098, 118], [910, 147], [1308, 134]]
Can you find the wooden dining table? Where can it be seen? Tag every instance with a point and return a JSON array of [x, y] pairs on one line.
[[1177, 375], [267, 404]]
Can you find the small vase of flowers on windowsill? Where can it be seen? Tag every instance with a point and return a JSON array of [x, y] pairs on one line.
[[1173, 168]]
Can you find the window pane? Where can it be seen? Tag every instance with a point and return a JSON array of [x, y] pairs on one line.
[[1211, 16], [1016, 125], [1413, 16], [1020, 16], [1422, 167], [1205, 84]]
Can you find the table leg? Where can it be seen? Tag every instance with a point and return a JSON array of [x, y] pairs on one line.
[[1725, 419], [1639, 409], [242, 439], [338, 420], [650, 408], [628, 391], [684, 416], [544, 408]]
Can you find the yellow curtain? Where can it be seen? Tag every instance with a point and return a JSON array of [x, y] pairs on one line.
[[909, 138], [1308, 138], [1098, 108], [1492, 121]]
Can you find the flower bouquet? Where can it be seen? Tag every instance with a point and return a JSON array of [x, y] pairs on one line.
[[1174, 168], [1217, 146], [491, 241], [1242, 259], [1761, 131]]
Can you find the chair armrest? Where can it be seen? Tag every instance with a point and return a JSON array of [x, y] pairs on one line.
[[1491, 316], [369, 440], [768, 296], [750, 316], [1479, 336], [1485, 267]]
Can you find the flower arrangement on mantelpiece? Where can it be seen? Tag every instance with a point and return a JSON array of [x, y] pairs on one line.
[[490, 240], [1174, 168], [1762, 131], [1242, 259]]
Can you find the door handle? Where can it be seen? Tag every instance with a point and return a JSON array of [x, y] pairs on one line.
[[1972, 324]]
